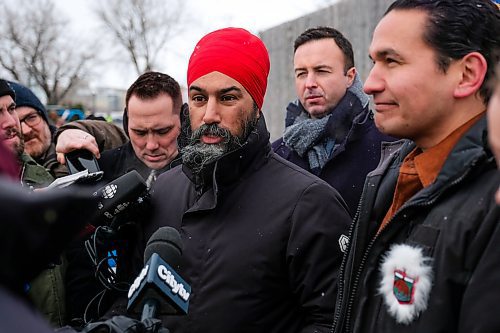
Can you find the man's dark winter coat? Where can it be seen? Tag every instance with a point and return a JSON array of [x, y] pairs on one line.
[[454, 222], [261, 242], [358, 153]]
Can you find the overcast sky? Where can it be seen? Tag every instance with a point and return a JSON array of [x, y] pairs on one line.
[[205, 16]]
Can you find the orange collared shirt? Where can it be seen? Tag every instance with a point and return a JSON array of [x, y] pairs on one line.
[[421, 168]]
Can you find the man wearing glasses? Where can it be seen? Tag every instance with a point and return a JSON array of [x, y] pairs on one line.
[[38, 134]]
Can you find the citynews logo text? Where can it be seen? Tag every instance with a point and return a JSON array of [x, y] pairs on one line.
[[137, 281], [166, 276], [169, 279]]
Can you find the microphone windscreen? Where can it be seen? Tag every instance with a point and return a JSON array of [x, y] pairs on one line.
[[166, 242]]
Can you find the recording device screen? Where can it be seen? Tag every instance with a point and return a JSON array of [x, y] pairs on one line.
[[82, 159]]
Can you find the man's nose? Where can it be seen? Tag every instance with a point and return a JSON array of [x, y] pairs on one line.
[[311, 81], [374, 82], [25, 128], [152, 142], [7, 119], [212, 112]]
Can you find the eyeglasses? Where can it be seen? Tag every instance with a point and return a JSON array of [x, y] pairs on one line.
[[31, 120]]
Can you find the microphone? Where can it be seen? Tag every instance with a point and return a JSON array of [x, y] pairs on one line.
[[159, 290], [36, 229], [117, 195], [120, 204]]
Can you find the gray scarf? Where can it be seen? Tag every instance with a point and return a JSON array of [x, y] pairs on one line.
[[305, 135]]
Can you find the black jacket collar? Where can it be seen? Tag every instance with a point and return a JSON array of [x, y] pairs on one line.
[[471, 150]]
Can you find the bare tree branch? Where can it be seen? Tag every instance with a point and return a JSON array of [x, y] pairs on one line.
[[141, 27], [35, 48]]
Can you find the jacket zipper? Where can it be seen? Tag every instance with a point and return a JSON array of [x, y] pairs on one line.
[[340, 295], [370, 245], [336, 316]]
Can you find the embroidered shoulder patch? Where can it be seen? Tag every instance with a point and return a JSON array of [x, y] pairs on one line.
[[406, 282]]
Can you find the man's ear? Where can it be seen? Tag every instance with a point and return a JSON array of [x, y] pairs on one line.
[[351, 74], [473, 68], [259, 112]]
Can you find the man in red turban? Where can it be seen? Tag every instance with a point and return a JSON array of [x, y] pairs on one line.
[[235, 55], [261, 237], [244, 58]]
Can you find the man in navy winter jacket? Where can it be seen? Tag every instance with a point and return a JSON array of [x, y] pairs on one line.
[[329, 129]]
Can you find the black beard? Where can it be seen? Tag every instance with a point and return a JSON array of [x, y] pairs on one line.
[[197, 155]]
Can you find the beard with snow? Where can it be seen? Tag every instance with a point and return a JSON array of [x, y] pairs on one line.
[[197, 155]]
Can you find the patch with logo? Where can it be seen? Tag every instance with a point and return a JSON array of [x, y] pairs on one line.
[[403, 287], [109, 191], [406, 282], [343, 243]]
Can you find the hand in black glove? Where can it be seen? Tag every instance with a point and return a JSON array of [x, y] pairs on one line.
[[154, 326], [123, 324]]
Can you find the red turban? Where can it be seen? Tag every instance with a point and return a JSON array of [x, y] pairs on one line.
[[236, 53]]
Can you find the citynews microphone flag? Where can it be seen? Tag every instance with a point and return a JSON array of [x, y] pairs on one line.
[[157, 274]]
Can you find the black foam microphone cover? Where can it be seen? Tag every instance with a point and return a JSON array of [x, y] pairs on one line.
[[166, 242]]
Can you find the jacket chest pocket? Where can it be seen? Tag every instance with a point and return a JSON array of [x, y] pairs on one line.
[[425, 237]]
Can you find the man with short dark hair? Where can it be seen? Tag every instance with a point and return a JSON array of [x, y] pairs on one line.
[[9, 121], [424, 248], [262, 238], [152, 122], [31, 174], [329, 129], [151, 119]]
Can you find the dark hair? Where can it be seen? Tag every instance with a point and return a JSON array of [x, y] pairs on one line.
[[456, 28], [328, 32], [151, 84]]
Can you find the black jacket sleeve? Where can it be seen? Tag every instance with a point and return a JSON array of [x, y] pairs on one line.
[[480, 298], [314, 254]]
